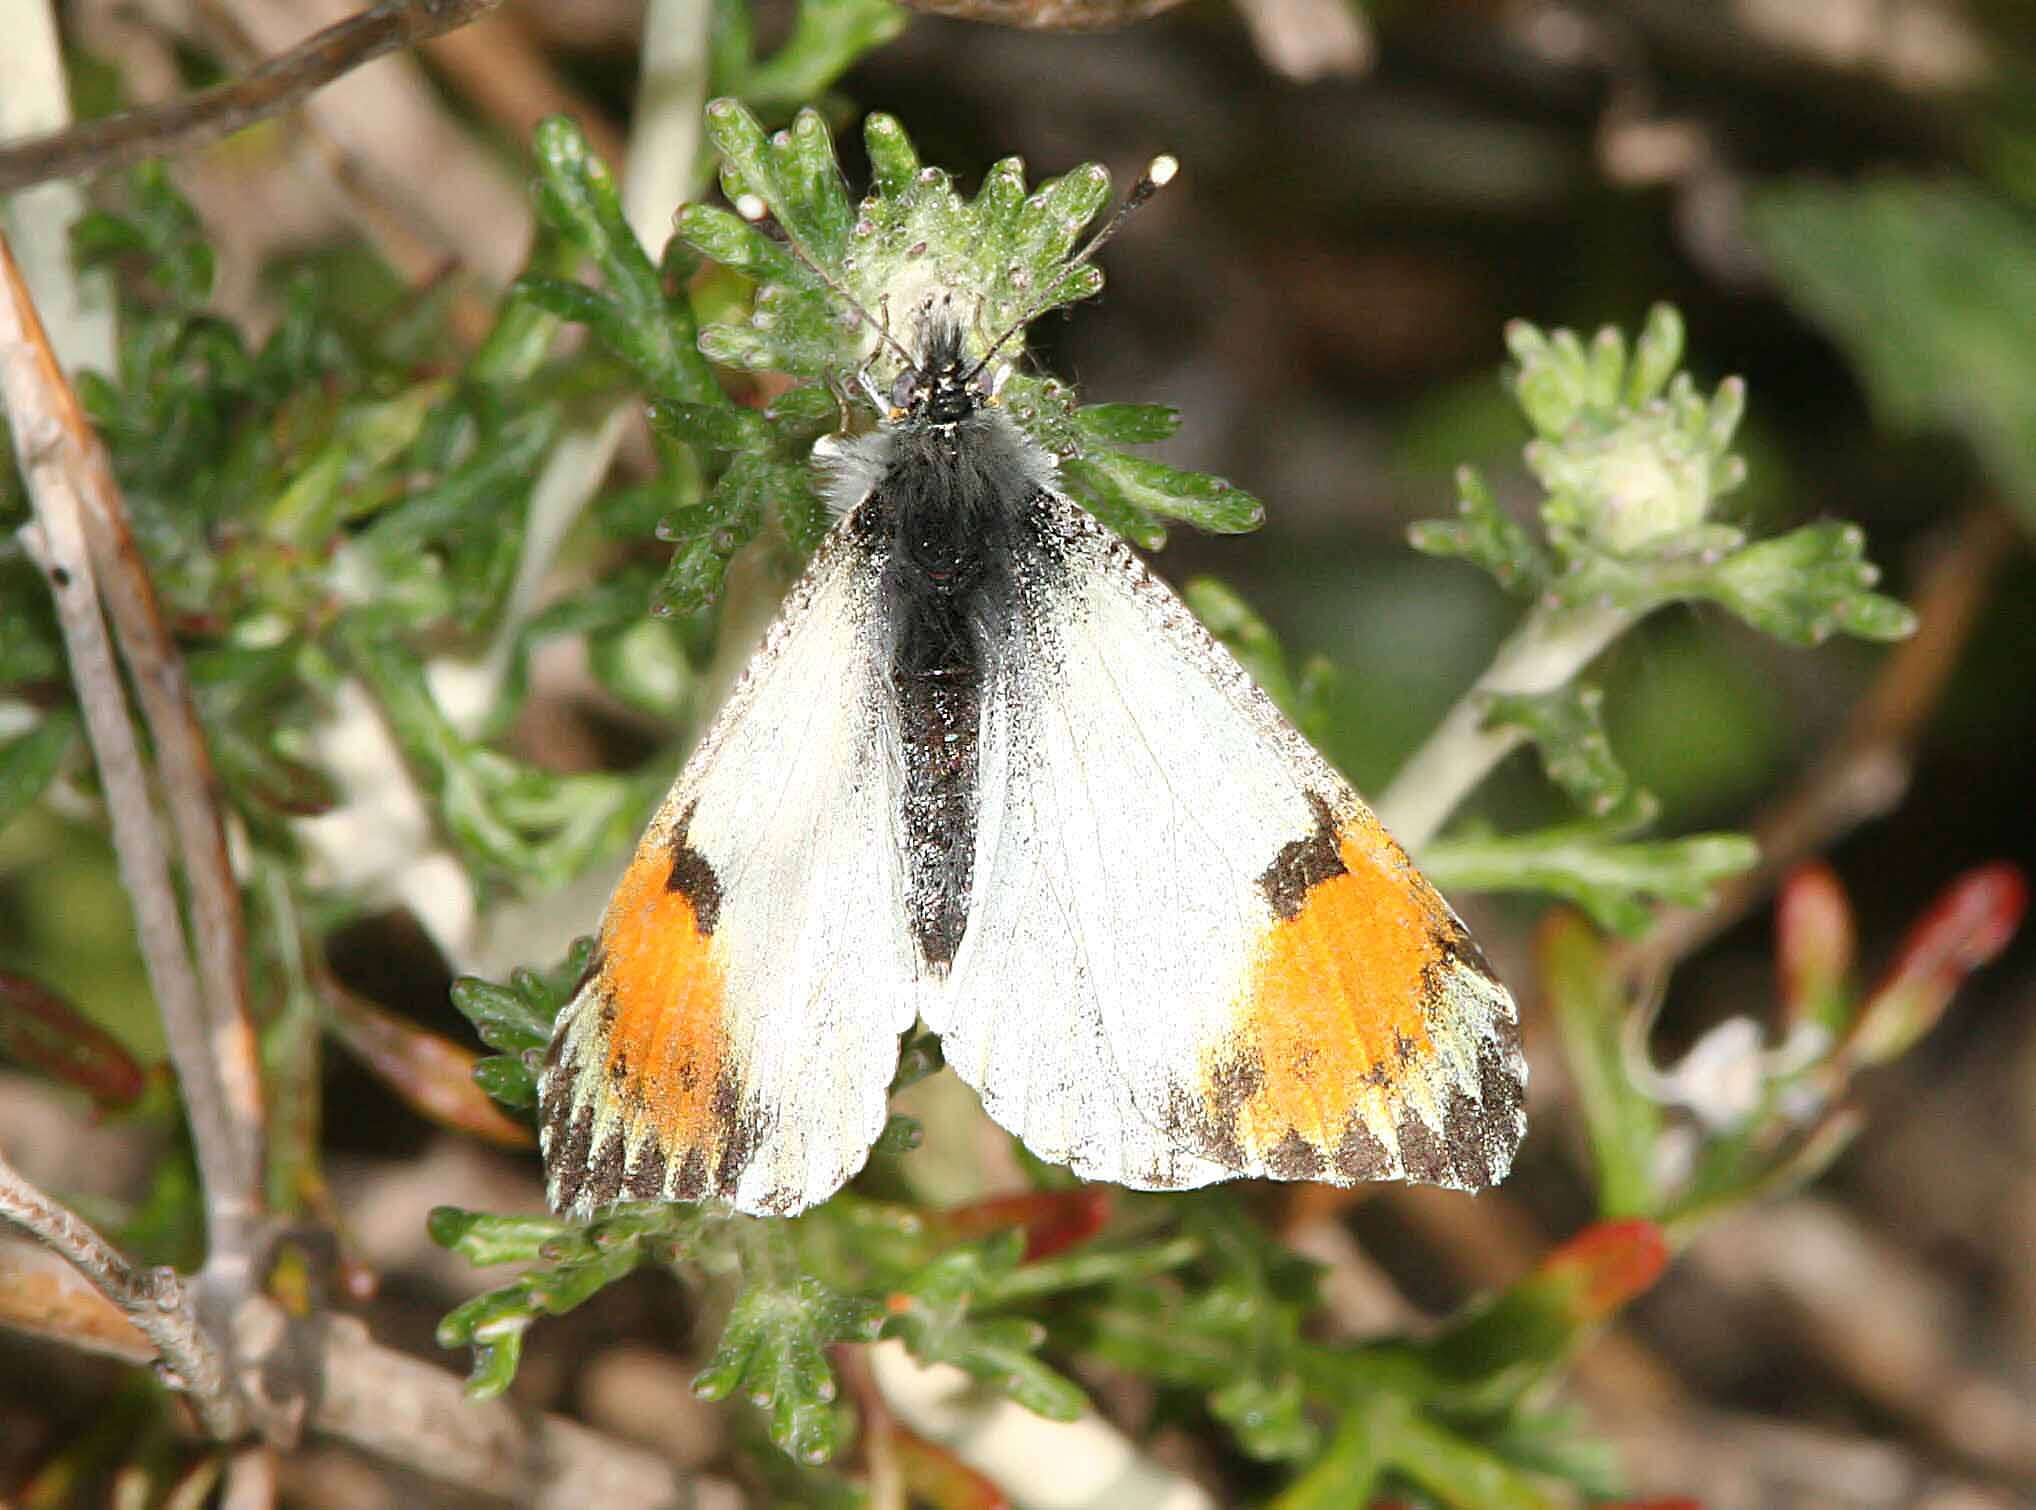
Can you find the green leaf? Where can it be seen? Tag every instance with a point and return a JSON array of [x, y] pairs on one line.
[[826, 39], [519, 1016], [1927, 285], [1569, 729], [931, 1315], [793, 173], [483, 1239], [1127, 424], [577, 198], [1267, 1417], [1097, 492], [1460, 1473], [1144, 486], [773, 1349], [1485, 536], [508, 1080], [581, 1262], [712, 427], [1610, 879], [1347, 1472], [1228, 617], [1498, 1349], [30, 761], [1807, 585]]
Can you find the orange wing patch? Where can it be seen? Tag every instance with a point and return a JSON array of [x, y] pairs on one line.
[[667, 1044], [1329, 1070], [648, 1101]]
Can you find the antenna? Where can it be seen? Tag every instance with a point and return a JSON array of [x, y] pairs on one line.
[[1157, 175], [752, 208]]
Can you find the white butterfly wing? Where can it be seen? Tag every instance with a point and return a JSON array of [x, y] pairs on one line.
[[739, 1027], [1192, 951]]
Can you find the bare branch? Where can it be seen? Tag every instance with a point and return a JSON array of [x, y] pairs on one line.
[[80, 533], [1048, 15], [153, 1299], [410, 1412], [402, 1409], [272, 87]]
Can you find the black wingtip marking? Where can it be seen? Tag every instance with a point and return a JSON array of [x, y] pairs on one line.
[[605, 1172], [1304, 864], [693, 877], [1294, 1158], [1360, 1155], [645, 1180], [569, 1159]]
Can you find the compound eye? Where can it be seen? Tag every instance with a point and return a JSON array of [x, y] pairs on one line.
[[904, 389]]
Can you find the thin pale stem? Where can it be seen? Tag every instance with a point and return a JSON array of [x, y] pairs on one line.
[[78, 535], [153, 1299], [1545, 653]]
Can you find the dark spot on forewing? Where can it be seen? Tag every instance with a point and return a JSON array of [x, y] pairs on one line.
[[693, 878], [1236, 1083], [1462, 1155], [1303, 864], [555, 1107]]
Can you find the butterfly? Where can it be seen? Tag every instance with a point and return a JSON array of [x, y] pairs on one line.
[[987, 773]]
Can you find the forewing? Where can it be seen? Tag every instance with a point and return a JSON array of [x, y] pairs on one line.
[[739, 1027], [1193, 952]]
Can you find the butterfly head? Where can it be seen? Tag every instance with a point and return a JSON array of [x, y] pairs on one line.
[[943, 385]]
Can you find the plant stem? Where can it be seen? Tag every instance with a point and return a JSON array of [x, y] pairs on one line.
[[63, 464], [153, 1299], [1548, 649], [273, 86]]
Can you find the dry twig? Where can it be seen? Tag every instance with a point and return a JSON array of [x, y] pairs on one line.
[[1048, 15], [70, 484], [154, 1300], [271, 88], [399, 1408]]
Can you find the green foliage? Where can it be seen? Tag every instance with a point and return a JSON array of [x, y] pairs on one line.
[[1569, 728], [516, 1019], [1632, 462], [1002, 256], [335, 525], [1595, 865], [772, 1349], [827, 36], [579, 1262]]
